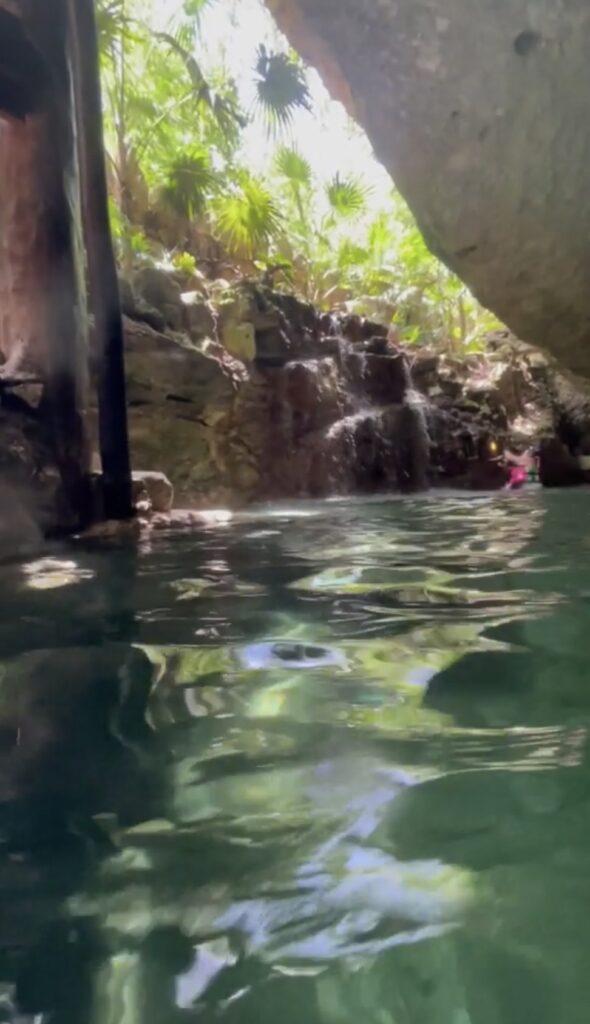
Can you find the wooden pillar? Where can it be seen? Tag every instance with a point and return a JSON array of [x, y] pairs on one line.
[[42, 318], [104, 286]]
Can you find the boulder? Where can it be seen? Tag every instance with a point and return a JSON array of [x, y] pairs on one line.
[[160, 290], [136, 308], [557, 466], [475, 108], [162, 368], [153, 489], [198, 317], [177, 395]]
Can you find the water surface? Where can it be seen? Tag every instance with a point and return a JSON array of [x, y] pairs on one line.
[[318, 763]]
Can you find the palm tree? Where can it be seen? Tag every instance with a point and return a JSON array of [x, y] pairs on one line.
[[248, 218]]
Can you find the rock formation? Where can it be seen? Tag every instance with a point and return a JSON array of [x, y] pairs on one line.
[[302, 405], [259, 397], [478, 110]]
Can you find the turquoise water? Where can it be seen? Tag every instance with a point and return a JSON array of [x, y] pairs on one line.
[[320, 763]]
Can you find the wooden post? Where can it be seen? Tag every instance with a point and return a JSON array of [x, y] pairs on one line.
[[42, 318], [104, 287]]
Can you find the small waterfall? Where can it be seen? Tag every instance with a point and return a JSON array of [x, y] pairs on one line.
[[417, 439], [344, 416]]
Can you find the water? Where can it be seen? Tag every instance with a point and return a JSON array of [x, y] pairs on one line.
[[325, 763]]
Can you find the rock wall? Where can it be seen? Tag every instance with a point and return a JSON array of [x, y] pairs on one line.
[[478, 109], [258, 397], [301, 406]]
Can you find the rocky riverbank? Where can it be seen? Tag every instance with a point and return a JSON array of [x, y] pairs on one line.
[[239, 393]]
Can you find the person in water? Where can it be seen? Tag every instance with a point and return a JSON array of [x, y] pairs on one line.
[[522, 469]]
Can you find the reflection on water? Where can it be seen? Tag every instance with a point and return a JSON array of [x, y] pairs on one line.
[[327, 764]]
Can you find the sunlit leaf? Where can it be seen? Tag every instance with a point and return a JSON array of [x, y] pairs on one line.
[[190, 183], [347, 197], [293, 166], [248, 218]]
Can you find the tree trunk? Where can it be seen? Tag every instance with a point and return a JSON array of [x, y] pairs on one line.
[[41, 293], [104, 287]]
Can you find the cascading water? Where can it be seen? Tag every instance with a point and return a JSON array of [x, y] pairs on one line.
[[378, 439]]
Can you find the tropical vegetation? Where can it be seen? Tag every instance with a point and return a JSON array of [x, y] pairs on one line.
[[184, 188]]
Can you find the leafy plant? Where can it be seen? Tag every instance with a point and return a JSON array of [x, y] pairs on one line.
[[185, 262], [181, 179], [190, 183], [249, 218], [347, 197], [281, 87]]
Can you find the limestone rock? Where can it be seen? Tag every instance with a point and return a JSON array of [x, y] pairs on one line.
[[165, 369], [176, 394], [153, 488], [557, 466], [198, 317], [136, 308], [160, 290], [475, 107]]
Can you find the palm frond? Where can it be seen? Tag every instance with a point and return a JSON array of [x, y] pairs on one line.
[[351, 256], [190, 181], [195, 8], [293, 166], [225, 109], [281, 87], [112, 24], [248, 218], [347, 197]]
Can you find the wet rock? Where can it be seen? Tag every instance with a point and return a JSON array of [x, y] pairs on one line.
[[557, 466], [177, 396], [136, 308], [154, 489], [161, 368], [118, 531], [198, 317], [20, 533], [356, 328], [382, 378], [127, 295], [30, 499], [159, 290]]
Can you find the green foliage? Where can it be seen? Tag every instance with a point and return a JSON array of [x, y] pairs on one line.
[[180, 176], [347, 198], [185, 262], [294, 167], [224, 108], [281, 87], [190, 183], [249, 218]]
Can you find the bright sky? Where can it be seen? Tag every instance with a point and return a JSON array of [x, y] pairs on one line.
[[232, 31]]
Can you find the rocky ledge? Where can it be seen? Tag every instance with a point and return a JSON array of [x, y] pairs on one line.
[[240, 393]]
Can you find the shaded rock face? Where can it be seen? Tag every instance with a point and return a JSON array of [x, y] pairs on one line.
[[476, 107], [321, 405], [315, 407], [481, 409], [31, 496]]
